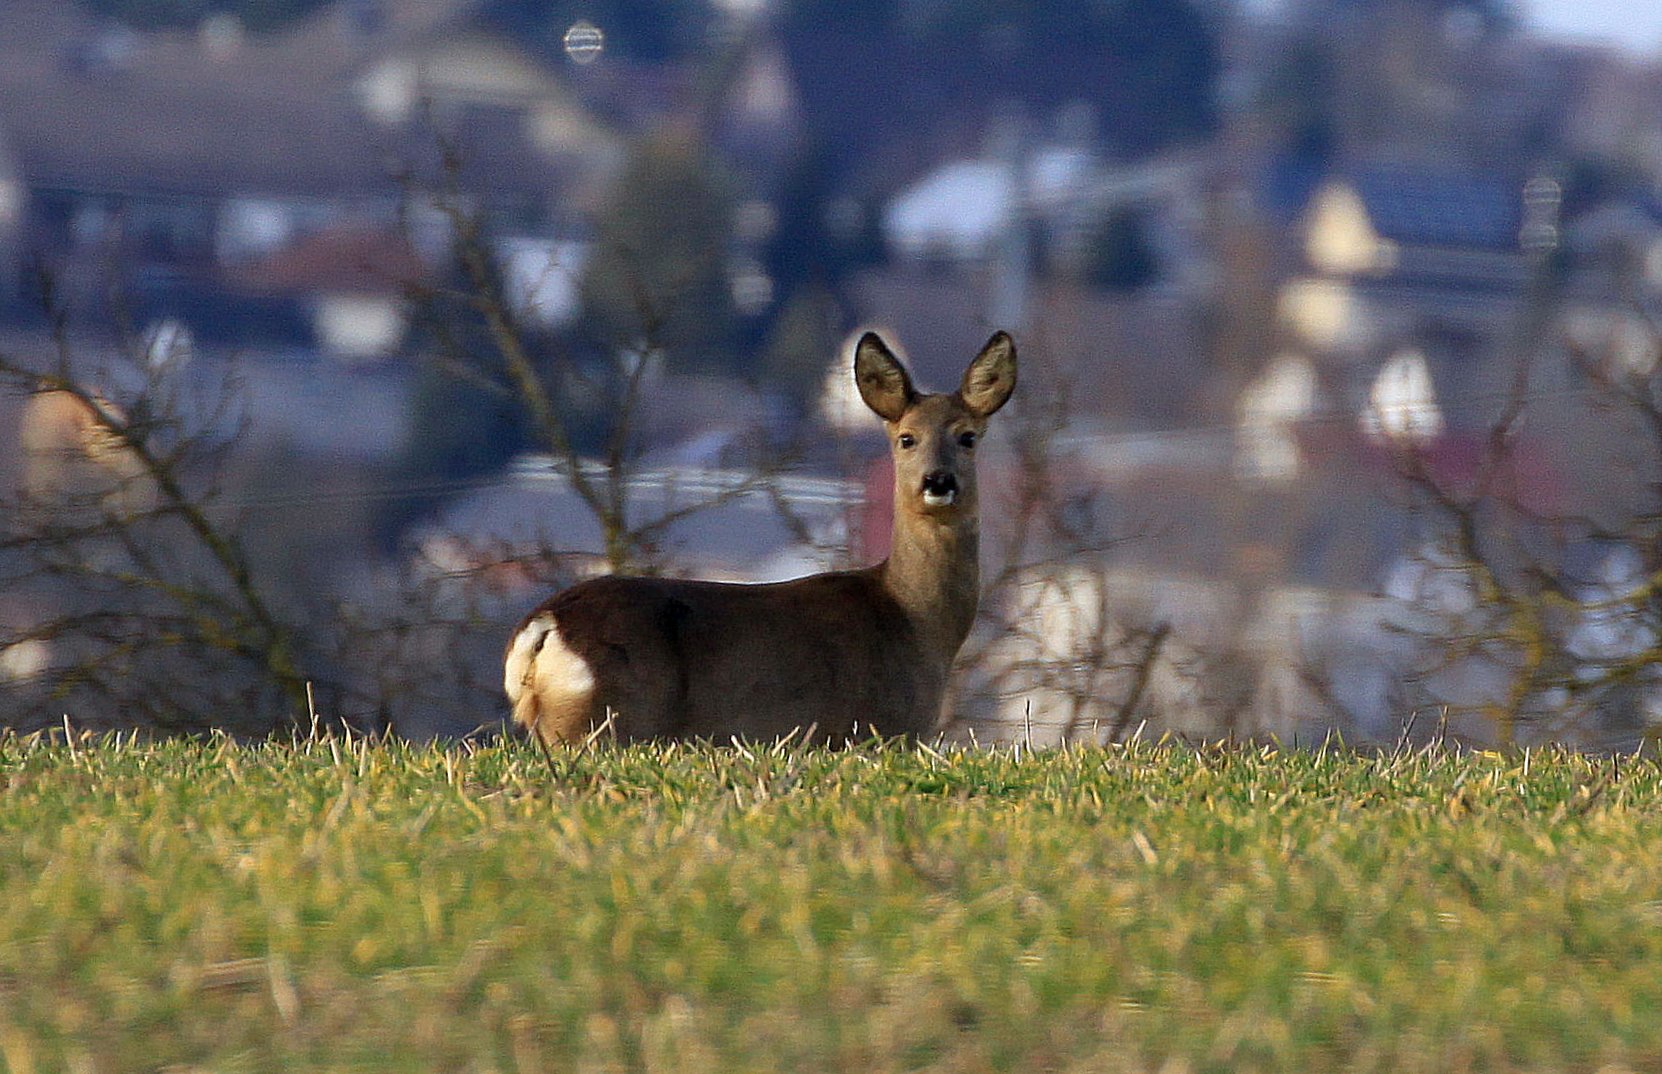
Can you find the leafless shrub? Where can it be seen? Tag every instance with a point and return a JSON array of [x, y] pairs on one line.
[[1544, 620], [132, 600]]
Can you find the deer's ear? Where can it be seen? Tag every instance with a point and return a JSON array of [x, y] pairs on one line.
[[991, 378], [881, 378]]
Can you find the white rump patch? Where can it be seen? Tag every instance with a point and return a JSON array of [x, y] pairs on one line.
[[540, 661]]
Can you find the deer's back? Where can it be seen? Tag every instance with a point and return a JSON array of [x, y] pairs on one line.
[[684, 659]]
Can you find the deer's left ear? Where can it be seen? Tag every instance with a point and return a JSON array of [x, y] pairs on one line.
[[991, 378]]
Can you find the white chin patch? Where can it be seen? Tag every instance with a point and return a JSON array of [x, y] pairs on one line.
[[939, 499]]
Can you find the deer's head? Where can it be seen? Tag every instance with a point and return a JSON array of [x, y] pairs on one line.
[[933, 437]]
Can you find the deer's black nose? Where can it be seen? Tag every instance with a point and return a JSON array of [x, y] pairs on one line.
[[940, 483]]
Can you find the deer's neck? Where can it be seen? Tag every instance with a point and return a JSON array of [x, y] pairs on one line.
[[934, 573]]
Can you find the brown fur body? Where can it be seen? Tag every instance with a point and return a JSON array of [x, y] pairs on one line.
[[688, 659]]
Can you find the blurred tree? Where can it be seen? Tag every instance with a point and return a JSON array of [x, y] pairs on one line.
[[1120, 257], [800, 345], [660, 267], [465, 428], [1295, 97], [801, 250], [465, 413], [1355, 75], [1148, 68], [819, 241], [257, 15]]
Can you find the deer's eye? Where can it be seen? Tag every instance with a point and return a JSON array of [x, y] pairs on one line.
[[966, 440], [907, 440]]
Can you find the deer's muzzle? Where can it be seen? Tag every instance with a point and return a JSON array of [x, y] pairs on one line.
[[940, 488]]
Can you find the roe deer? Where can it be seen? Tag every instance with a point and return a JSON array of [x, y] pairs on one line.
[[835, 654]]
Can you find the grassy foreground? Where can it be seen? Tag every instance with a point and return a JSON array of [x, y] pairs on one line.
[[373, 906]]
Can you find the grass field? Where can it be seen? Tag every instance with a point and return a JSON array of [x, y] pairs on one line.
[[372, 906]]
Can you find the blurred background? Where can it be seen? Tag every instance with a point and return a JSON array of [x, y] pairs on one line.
[[339, 332]]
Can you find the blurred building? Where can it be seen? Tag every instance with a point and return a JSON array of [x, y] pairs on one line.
[[188, 157]]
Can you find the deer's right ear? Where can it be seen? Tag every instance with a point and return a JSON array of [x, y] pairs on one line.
[[881, 378]]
